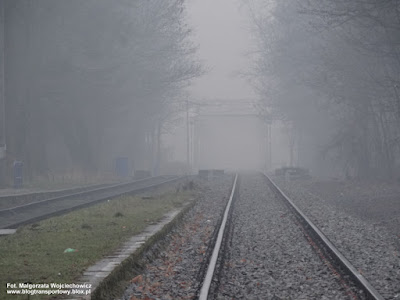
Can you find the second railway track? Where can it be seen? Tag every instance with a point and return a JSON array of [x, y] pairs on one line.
[[13, 217], [270, 250]]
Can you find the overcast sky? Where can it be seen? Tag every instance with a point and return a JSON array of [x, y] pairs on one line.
[[221, 32]]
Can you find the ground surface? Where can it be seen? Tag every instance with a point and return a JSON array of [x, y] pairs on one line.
[[361, 219], [376, 203], [268, 256], [36, 253], [175, 273]]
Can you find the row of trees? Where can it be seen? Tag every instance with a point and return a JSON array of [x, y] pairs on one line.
[[330, 69], [87, 81]]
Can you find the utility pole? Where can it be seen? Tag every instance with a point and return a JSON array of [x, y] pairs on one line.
[[3, 162], [268, 143], [195, 144], [268, 146], [187, 137]]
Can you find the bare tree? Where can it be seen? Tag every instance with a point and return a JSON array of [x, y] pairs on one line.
[[79, 72], [333, 65]]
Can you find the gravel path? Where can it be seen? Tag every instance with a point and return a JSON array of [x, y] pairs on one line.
[[174, 274], [269, 258], [372, 249]]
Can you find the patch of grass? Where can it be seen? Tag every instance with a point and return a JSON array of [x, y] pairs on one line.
[[36, 252], [114, 285], [118, 214]]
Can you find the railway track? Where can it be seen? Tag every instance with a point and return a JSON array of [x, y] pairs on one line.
[[348, 280], [13, 217], [8, 201]]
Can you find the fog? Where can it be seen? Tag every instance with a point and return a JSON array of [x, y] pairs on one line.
[[224, 40], [172, 87], [229, 142]]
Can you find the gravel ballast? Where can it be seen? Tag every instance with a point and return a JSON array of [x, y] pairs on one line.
[[174, 273], [371, 248], [268, 256]]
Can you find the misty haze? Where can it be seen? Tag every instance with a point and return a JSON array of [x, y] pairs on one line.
[[121, 120]]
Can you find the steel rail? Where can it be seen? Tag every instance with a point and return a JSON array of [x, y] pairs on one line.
[[112, 192], [76, 194], [13, 200], [336, 255], [205, 289], [53, 192]]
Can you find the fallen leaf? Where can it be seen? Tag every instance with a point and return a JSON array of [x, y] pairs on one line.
[[137, 279]]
